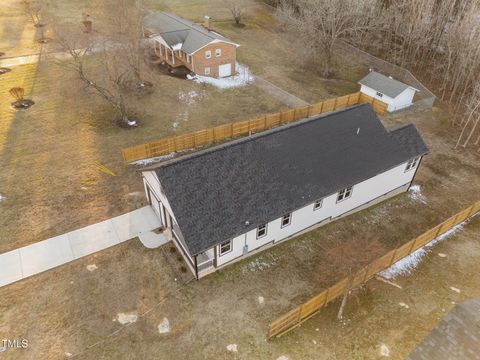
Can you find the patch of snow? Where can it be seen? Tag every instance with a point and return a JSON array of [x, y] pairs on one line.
[[2, 197], [282, 357], [188, 97], [415, 193], [175, 124], [135, 193], [67, 354], [383, 350], [314, 342], [177, 47], [154, 159], [317, 329], [442, 255], [261, 300], [256, 264], [92, 267], [455, 289], [410, 262], [132, 123], [402, 304], [405, 265], [164, 326], [232, 347], [243, 77], [123, 318]]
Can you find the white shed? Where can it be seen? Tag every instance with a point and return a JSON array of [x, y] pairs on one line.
[[394, 93]]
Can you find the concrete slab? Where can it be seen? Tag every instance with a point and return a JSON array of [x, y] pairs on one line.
[[92, 238], [152, 241], [10, 267], [129, 225], [36, 258], [45, 255]]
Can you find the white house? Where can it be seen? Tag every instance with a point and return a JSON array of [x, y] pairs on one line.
[[394, 93], [237, 198]]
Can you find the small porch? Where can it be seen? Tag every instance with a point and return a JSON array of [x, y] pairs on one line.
[[174, 58], [205, 263]]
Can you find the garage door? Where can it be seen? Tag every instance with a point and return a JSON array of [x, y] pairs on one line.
[[225, 70]]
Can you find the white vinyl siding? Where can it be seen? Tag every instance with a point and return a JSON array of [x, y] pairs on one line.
[[372, 190]]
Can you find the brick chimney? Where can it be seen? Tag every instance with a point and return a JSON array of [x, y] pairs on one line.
[[207, 22]]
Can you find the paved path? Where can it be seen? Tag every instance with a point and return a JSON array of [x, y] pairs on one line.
[[33, 259], [281, 95]]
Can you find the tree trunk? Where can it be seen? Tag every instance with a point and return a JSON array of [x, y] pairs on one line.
[[345, 296]]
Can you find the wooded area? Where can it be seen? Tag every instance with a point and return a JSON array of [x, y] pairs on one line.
[[437, 40]]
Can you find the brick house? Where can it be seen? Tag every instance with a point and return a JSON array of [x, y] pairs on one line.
[[179, 42]]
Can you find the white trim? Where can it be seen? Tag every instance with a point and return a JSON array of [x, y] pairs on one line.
[[220, 253], [216, 41], [266, 231], [282, 225], [345, 190]]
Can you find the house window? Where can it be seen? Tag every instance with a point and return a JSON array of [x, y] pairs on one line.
[[412, 163], [188, 58], [208, 54], [218, 52], [344, 194], [317, 204], [286, 220], [207, 71], [379, 94], [225, 247], [261, 231]]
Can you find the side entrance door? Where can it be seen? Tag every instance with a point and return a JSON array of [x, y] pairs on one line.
[[155, 204]]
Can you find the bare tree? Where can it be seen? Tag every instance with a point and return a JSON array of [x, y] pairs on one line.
[[34, 11], [345, 258], [319, 24], [237, 9], [100, 67], [122, 24]]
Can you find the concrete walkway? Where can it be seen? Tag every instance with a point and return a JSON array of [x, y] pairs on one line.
[[33, 259], [281, 95]]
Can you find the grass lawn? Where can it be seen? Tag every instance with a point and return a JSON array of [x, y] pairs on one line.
[[48, 158], [48, 154], [72, 310]]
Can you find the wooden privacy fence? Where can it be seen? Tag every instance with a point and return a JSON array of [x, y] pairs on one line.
[[242, 128], [311, 307]]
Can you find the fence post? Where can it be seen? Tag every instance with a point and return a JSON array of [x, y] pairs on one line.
[[335, 104]]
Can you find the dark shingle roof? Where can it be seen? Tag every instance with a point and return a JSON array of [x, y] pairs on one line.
[[260, 178], [384, 84], [175, 30], [456, 337]]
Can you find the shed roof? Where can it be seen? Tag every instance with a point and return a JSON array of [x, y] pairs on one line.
[[384, 84], [175, 30], [260, 178]]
